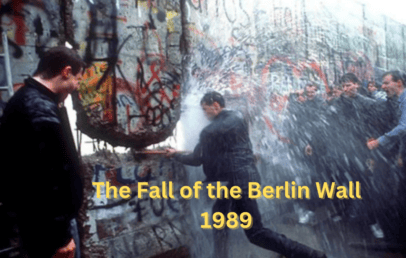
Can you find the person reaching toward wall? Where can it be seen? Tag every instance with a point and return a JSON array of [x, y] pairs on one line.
[[41, 184], [225, 151]]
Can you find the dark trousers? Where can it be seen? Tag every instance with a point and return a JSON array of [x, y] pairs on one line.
[[257, 234], [393, 215]]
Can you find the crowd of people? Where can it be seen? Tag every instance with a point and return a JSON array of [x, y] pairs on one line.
[[351, 134], [355, 133]]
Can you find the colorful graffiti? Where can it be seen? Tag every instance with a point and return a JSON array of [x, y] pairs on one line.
[[152, 172], [137, 227], [287, 45], [158, 93], [20, 18], [305, 70], [93, 98], [131, 89], [132, 86], [147, 102], [156, 221]]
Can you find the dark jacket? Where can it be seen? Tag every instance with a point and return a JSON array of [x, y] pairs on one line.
[[314, 126], [41, 182], [354, 121], [225, 151]]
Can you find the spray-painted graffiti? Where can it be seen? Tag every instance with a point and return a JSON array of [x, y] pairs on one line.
[[136, 227], [22, 18], [285, 46], [159, 93], [288, 71], [198, 4], [165, 239], [293, 45], [149, 101], [154, 173], [132, 85], [31, 26], [226, 68], [93, 98]]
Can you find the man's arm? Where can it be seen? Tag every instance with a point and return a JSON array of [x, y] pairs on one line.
[[396, 134], [389, 139], [192, 159], [379, 119]]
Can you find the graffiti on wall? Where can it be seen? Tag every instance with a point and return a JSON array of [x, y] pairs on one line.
[[153, 221], [148, 101], [31, 27], [21, 18], [288, 45], [150, 241], [132, 85], [130, 176]]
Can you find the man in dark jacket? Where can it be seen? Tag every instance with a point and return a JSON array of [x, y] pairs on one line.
[[349, 117], [313, 128], [225, 151], [41, 184], [392, 143]]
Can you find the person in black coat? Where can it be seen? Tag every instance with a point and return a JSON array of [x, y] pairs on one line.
[[225, 151], [391, 142], [41, 184]]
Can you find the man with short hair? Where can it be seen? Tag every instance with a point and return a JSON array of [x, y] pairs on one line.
[[355, 110], [395, 117], [350, 84], [225, 151], [43, 188], [312, 123], [311, 91], [349, 117], [374, 92], [392, 144], [394, 86]]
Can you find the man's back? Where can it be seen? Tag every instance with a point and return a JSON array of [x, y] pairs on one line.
[[43, 164], [227, 151]]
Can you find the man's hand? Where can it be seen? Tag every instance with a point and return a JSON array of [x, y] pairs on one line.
[[67, 251], [372, 144], [308, 150], [169, 153], [300, 92], [301, 99]]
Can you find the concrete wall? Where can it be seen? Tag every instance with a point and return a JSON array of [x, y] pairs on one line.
[[130, 94], [278, 44], [259, 52], [133, 84], [131, 91], [31, 26], [134, 227]]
